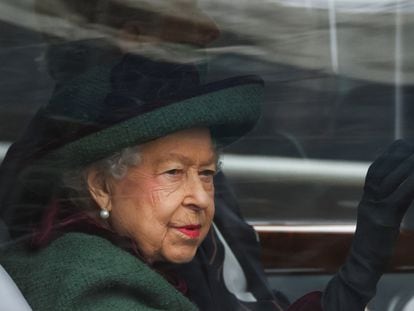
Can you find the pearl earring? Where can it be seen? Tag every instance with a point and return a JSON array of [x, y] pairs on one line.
[[104, 214]]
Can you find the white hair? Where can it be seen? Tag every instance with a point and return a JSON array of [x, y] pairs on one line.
[[115, 166]]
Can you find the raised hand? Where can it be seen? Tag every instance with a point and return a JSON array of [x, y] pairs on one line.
[[388, 192]]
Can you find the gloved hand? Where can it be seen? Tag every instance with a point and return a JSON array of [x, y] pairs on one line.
[[388, 192]]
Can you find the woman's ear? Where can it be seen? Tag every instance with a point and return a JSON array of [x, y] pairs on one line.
[[99, 190]]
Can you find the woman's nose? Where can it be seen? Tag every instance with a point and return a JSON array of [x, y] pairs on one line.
[[198, 194]]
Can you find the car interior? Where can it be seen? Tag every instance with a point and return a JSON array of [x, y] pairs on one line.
[[339, 85]]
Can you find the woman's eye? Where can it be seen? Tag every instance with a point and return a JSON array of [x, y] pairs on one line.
[[173, 172], [208, 173]]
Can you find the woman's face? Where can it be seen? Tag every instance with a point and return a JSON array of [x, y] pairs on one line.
[[166, 202]]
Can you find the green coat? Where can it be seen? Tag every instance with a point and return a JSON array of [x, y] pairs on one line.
[[85, 272]]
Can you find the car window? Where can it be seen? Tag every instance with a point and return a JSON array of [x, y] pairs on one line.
[[338, 83], [339, 86]]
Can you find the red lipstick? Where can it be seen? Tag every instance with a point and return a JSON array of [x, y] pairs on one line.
[[192, 231]]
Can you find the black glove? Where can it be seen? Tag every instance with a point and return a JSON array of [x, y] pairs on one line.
[[388, 192]]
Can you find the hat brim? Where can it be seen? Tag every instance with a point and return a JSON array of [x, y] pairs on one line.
[[229, 113]]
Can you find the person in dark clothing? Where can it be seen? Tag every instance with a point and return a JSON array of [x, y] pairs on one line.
[[207, 279]]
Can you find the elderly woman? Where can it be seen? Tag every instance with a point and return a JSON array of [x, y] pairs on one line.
[[113, 182], [115, 176]]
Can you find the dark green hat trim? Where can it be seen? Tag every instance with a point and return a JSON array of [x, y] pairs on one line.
[[229, 113]]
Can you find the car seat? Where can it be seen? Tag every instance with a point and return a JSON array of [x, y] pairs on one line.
[[11, 299]]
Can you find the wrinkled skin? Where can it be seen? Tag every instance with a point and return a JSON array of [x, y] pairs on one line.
[[166, 202]]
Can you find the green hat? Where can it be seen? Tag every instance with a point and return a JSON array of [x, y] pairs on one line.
[[137, 100]]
